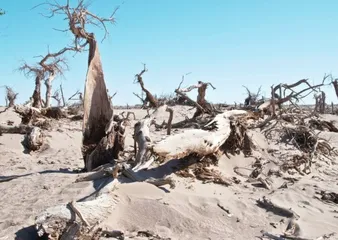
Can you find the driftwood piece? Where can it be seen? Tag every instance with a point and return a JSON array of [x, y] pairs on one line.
[[112, 170], [198, 141], [281, 211], [142, 139], [54, 220], [131, 174]]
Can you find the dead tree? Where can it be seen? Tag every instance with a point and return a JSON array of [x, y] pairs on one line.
[[99, 144], [149, 97], [56, 97], [294, 96], [39, 75], [320, 102], [335, 85], [10, 97], [202, 106], [51, 65], [252, 98]]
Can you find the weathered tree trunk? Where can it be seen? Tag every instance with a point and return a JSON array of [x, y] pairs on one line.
[[99, 145], [335, 85], [37, 93], [322, 103], [153, 103], [34, 139], [48, 83], [62, 96]]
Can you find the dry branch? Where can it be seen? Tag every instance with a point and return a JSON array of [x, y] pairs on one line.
[[281, 211], [149, 97], [252, 98], [201, 104]]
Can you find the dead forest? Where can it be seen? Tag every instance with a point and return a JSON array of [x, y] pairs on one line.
[[199, 142]]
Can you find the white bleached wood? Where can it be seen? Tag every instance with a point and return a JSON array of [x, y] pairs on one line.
[[197, 141]]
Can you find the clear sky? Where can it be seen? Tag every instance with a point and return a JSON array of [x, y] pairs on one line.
[[229, 43]]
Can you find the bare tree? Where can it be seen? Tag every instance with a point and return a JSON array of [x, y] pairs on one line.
[[97, 110], [51, 65], [10, 96], [335, 85], [320, 102], [296, 95], [56, 97], [252, 98], [202, 105], [149, 97]]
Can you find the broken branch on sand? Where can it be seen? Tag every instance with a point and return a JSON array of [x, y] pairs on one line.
[[272, 207]]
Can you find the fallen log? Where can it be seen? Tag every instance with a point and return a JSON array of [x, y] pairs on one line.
[[278, 210], [197, 141], [54, 220], [20, 129]]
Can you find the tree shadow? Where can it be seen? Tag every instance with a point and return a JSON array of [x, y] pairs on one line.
[[11, 177], [28, 233]]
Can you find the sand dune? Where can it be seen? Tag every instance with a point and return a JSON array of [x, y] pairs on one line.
[[190, 211]]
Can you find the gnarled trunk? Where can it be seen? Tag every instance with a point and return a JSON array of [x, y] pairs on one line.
[[37, 93]]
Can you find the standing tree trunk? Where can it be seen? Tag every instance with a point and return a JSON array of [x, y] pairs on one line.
[[335, 85], [48, 83], [37, 93], [97, 113], [62, 96]]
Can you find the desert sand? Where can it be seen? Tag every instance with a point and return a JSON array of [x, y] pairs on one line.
[[191, 210]]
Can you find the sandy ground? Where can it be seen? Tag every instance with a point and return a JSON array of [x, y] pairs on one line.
[[190, 211]]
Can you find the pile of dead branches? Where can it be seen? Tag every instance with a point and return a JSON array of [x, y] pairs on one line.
[[307, 141], [197, 167], [295, 162]]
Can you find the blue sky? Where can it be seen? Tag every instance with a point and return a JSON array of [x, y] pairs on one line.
[[229, 43]]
